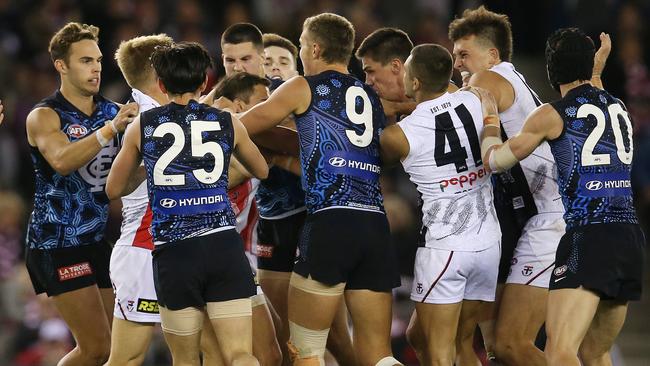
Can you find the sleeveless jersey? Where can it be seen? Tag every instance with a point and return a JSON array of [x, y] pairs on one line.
[[72, 210], [136, 212], [594, 157], [186, 152], [536, 189], [339, 144], [280, 195], [445, 163]]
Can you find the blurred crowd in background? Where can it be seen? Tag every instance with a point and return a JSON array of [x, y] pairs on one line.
[[31, 332]]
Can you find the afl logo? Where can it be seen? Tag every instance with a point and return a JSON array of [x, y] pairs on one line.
[[168, 202], [337, 162], [594, 185], [77, 131]]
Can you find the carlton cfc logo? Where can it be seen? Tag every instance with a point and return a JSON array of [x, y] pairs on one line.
[[168, 202], [77, 131], [337, 162], [594, 185]]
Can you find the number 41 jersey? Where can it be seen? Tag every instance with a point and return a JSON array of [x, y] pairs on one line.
[[186, 152], [445, 163], [339, 144], [594, 157]]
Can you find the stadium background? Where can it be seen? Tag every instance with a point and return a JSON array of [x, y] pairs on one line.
[[31, 332]]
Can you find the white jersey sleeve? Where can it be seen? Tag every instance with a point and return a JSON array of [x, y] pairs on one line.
[[445, 163]]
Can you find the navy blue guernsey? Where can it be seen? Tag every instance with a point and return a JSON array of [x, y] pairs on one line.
[[594, 157], [72, 210], [280, 195], [186, 151], [339, 144]]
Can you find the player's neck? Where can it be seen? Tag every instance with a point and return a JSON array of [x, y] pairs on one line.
[[84, 103], [421, 97], [322, 67], [565, 88], [153, 91], [183, 99]]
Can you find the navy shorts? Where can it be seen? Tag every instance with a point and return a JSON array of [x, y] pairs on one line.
[[61, 270], [351, 246], [277, 242]]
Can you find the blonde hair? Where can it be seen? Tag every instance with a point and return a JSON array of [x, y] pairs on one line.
[[134, 58], [334, 34]]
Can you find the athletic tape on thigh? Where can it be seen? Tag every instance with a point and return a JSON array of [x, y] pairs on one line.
[[306, 342], [257, 300], [229, 309], [388, 361], [315, 287], [182, 322], [265, 274]]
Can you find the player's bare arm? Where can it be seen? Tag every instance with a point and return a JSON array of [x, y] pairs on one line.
[[2, 115], [126, 173], [247, 152], [500, 88], [44, 132], [600, 59], [394, 145], [544, 123]]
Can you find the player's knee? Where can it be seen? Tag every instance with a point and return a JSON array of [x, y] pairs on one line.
[[270, 355], [96, 353], [414, 337], [244, 359], [591, 353]]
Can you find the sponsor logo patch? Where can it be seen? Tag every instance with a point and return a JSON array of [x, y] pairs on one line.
[[147, 306], [463, 181], [74, 271], [168, 202], [559, 271], [77, 131], [264, 251]]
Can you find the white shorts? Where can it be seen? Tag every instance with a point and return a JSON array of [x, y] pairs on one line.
[[447, 277], [534, 256], [131, 270]]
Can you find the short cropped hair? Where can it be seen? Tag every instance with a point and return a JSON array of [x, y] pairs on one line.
[[334, 34], [134, 58], [432, 65], [239, 85], [272, 39], [569, 56], [487, 26], [386, 44], [181, 67], [70, 33], [242, 33]]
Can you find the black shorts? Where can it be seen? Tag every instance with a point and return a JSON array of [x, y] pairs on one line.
[[351, 246], [277, 242], [61, 270], [605, 258], [195, 271], [510, 234]]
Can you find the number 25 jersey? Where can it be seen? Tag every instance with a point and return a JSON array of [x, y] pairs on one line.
[[594, 157], [186, 152], [339, 144]]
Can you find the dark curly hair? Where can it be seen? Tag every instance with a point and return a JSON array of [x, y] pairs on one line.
[[569, 56]]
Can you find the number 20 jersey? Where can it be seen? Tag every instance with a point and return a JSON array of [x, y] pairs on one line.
[[594, 157], [186, 152], [339, 144], [445, 163]]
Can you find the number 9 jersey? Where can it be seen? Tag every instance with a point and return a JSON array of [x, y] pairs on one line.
[[594, 156], [339, 144], [186, 152]]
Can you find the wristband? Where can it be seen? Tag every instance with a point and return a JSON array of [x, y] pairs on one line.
[[100, 138]]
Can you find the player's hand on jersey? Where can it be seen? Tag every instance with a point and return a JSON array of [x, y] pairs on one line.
[[2, 115], [600, 58], [125, 115], [465, 76]]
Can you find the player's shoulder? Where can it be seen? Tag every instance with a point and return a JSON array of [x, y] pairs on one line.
[[488, 79]]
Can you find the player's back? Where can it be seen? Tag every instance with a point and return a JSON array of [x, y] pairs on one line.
[[538, 168], [339, 144], [594, 157], [186, 151], [445, 163]]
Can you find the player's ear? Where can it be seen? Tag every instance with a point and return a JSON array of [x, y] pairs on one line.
[[396, 66], [315, 50], [416, 84], [239, 105], [61, 66], [494, 55]]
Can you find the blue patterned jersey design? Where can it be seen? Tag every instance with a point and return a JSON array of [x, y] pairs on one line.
[[339, 144], [594, 156], [72, 210], [186, 151], [281, 193]]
